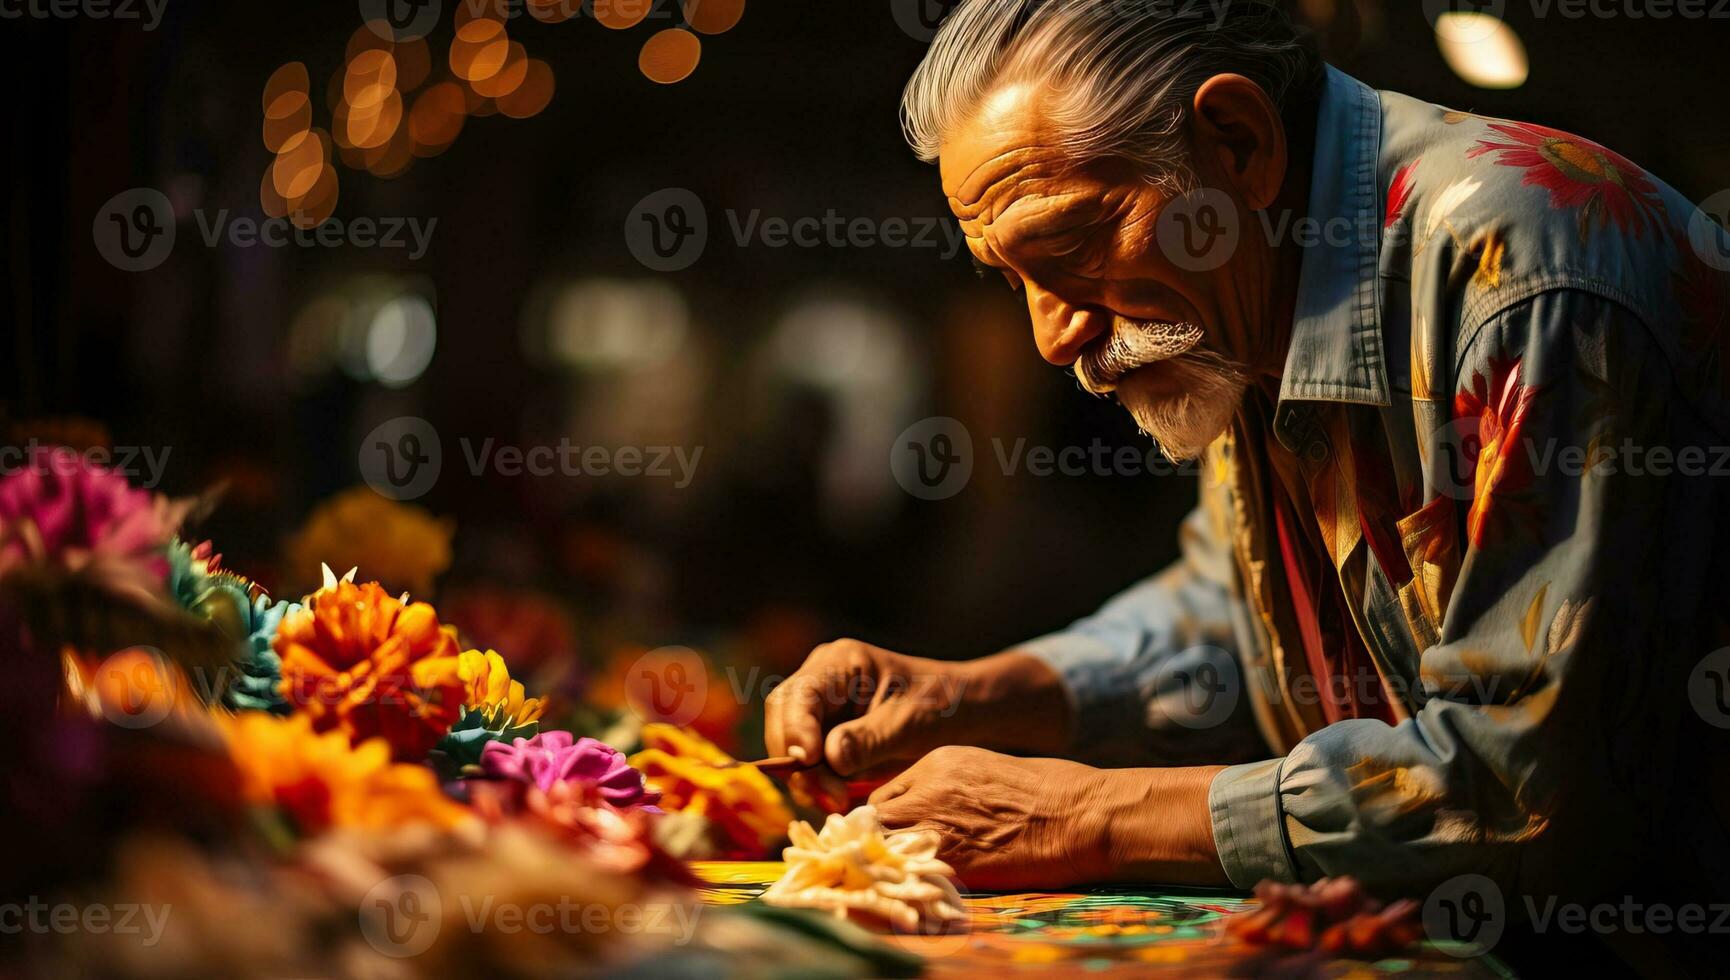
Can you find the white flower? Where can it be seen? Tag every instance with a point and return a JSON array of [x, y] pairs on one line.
[[852, 869]]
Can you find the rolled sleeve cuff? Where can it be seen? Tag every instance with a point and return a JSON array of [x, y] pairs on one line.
[[1090, 669], [1248, 826]]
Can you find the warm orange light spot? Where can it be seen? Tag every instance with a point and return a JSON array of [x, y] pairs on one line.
[[532, 95], [371, 126], [437, 118], [311, 209], [366, 38], [285, 118], [670, 55], [479, 50], [370, 76], [713, 16], [621, 14], [478, 30], [297, 167], [505, 81], [291, 77], [287, 105], [469, 11], [393, 158]]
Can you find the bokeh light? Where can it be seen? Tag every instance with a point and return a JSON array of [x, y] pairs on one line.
[[509, 76], [437, 118], [479, 50], [1482, 49], [670, 56], [621, 14], [287, 105], [533, 95], [713, 16], [400, 340]]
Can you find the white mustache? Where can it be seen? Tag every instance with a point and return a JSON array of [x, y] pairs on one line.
[[1130, 345]]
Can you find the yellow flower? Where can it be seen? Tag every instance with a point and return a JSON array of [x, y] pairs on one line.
[[741, 801], [322, 781], [488, 688], [400, 544]]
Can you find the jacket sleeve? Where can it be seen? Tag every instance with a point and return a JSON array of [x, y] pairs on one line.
[[1545, 706], [1154, 676]]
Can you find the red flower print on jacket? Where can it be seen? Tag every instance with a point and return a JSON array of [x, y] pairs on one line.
[[1490, 417], [1399, 192], [1606, 187]]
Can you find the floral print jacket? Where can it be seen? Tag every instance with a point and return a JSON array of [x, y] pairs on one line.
[[1504, 412]]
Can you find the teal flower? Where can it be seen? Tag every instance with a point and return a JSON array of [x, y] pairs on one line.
[[243, 612]]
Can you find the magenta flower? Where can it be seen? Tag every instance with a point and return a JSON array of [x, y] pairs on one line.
[[62, 510], [552, 757]]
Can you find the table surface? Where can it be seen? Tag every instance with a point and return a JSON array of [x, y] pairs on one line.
[[1107, 931]]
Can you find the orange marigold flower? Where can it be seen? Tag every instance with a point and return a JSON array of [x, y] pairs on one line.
[[739, 800], [323, 782], [358, 660]]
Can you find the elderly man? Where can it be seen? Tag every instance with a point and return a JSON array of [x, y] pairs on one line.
[[1458, 385]]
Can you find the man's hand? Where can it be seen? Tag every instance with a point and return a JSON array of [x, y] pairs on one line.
[[1005, 822], [860, 707]]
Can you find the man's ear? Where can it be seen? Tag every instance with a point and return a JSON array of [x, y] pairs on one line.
[[1238, 126]]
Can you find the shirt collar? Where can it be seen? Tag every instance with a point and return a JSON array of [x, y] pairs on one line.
[[1336, 345]]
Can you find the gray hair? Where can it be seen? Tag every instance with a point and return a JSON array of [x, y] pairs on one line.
[[1122, 73]]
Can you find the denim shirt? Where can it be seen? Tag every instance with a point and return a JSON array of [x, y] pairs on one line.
[[1506, 401]]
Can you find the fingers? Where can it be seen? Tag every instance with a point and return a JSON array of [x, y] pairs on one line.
[[899, 730], [793, 716]]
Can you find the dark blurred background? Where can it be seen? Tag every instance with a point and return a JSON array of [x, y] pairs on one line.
[[261, 369]]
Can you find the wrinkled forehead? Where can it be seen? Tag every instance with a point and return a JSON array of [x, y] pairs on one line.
[[999, 144]]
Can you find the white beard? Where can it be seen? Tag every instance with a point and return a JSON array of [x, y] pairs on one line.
[[1143, 362]]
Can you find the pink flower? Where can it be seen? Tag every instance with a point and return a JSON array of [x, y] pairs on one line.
[[551, 758], [62, 510]]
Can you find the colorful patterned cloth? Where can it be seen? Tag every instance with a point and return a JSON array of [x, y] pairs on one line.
[[1455, 577], [1106, 932]]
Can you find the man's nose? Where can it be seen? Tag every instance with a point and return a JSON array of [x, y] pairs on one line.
[[1060, 328]]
